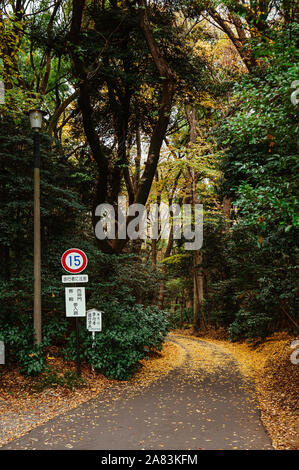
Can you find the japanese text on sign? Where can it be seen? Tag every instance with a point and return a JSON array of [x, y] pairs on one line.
[[94, 320], [71, 278], [75, 301]]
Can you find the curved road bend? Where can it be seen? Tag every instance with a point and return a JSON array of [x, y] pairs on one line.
[[202, 404]]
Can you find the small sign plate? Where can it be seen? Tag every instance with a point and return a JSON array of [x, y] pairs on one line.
[[94, 320], [72, 278], [2, 352], [75, 302]]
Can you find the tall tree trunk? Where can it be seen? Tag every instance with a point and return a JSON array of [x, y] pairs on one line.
[[154, 252], [163, 281], [160, 128], [226, 206], [137, 159], [181, 313], [198, 291]]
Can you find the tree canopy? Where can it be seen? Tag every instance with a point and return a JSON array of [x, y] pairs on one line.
[[173, 102]]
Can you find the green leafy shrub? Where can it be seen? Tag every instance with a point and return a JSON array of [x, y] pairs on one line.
[[21, 348], [249, 325], [129, 332], [19, 342]]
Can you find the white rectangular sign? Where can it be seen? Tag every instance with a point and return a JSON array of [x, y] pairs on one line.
[[75, 278], [94, 320], [75, 301], [2, 352]]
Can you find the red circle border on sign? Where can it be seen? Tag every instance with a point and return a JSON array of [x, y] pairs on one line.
[[74, 250]]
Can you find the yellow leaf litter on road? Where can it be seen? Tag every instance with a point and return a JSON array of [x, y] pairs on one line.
[[267, 363]]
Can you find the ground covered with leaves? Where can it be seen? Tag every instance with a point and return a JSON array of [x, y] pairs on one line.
[[203, 404], [27, 402], [268, 363]]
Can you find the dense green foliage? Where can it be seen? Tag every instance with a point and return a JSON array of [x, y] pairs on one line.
[[130, 329], [260, 173], [250, 259], [179, 102]]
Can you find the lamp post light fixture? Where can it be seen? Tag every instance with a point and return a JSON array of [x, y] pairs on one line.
[[36, 119]]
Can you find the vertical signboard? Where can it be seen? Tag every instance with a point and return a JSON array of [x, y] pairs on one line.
[[2, 352], [75, 302], [94, 320]]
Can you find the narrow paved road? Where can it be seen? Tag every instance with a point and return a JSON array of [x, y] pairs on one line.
[[202, 404]]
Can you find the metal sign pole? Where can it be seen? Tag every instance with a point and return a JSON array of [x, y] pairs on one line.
[[93, 338], [78, 345], [78, 348]]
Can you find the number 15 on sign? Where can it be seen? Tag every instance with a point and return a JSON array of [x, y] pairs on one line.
[[74, 260]]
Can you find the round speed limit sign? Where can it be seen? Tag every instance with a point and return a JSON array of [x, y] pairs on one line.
[[74, 260]]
